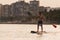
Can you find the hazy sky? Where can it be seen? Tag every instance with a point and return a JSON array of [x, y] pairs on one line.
[[51, 3]]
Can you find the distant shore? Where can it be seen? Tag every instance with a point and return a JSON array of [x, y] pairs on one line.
[[30, 23]]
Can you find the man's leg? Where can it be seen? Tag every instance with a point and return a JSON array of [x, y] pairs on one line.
[[41, 28], [38, 27]]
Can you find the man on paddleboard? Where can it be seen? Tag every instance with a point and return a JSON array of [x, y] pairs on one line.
[[40, 19]]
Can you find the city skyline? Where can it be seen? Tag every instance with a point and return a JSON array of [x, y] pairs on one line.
[[46, 3]]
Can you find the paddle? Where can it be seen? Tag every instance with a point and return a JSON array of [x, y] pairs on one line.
[[54, 25]]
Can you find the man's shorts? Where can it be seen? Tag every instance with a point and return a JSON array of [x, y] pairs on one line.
[[40, 22]]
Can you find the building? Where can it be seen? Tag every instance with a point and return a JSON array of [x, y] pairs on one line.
[[20, 8], [0, 10], [47, 9], [34, 6], [6, 10], [42, 9]]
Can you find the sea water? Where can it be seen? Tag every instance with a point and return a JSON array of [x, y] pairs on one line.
[[22, 32]]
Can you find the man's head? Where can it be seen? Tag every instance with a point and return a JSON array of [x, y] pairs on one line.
[[39, 13]]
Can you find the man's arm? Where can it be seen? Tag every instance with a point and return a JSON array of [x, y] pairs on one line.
[[44, 18]]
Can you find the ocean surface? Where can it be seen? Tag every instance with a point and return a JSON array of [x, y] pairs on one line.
[[22, 32]]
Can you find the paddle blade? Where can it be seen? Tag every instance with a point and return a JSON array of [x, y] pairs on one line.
[[54, 25]]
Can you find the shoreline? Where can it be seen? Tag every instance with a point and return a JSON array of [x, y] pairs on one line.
[[27, 23]]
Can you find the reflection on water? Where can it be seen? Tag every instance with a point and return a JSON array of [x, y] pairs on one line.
[[22, 32]]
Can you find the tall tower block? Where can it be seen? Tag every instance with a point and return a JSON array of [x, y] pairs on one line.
[[21, 0], [34, 2], [34, 6]]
